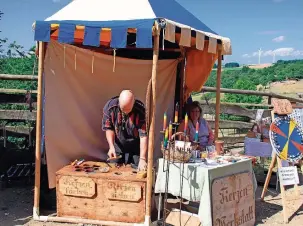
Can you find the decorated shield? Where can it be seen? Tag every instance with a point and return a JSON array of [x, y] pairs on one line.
[[286, 138]]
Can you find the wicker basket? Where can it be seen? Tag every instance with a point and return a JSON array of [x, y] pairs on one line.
[[173, 155]]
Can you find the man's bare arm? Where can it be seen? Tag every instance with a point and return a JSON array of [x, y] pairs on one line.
[[110, 137], [143, 147]]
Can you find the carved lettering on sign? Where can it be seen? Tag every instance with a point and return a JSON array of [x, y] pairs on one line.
[[233, 202], [117, 190], [77, 186]]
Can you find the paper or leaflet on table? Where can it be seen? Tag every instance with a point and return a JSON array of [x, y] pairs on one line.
[[288, 175], [259, 114], [233, 200]]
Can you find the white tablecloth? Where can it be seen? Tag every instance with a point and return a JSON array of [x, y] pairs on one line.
[[197, 178]]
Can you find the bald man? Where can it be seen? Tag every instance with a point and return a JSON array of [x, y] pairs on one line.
[[125, 127]]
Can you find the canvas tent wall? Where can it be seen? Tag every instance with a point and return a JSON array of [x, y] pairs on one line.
[[75, 95], [85, 64]]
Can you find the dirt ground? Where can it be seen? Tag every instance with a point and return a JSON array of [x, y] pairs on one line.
[[16, 208], [260, 66], [289, 88]]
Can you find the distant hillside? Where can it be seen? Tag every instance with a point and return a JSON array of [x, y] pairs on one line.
[[269, 78], [259, 66], [280, 71]]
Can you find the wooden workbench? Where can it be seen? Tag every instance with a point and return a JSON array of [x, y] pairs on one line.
[[117, 195]]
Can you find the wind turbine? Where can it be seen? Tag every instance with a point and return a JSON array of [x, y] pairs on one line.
[[274, 58], [260, 51]]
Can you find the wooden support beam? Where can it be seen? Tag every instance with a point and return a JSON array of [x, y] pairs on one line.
[[18, 77], [18, 115], [31, 116], [233, 139], [16, 91], [14, 98], [17, 131], [151, 136], [218, 94], [251, 92], [34, 105], [202, 102], [39, 131], [229, 109], [227, 124]]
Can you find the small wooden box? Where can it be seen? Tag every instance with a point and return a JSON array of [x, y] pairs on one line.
[[113, 196]]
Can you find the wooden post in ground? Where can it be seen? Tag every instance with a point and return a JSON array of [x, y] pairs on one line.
[[151, 136], [271, 167], [218, 92], [274, 160], [297, 189], [282, 193], [38, 130]]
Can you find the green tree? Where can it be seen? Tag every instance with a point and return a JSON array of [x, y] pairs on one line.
[[15, 50], [243, 84], [232, 64], [2, 41]]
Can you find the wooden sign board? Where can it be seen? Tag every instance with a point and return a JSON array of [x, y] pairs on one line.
[[288, 175], [233, 201], [77, 186], [119, 190], [282, 106]]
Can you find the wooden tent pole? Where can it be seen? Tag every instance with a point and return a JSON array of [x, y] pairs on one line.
[[182, 81], [151, 136], [38, 131], [217, 118]]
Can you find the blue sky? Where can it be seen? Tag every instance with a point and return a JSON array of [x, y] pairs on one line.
[[273, 25]]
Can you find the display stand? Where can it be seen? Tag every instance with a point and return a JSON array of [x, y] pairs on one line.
[[277, 159]]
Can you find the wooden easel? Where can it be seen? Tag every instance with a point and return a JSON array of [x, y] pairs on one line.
[[276, 159]]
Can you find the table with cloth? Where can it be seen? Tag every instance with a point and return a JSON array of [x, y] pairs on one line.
[[197, 180]]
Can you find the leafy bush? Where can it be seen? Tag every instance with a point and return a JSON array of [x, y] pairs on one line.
[[245, 84], [231, 65]]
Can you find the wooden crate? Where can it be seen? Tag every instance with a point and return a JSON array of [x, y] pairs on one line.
[[114, 196]]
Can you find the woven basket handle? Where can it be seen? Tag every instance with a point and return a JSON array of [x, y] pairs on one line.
[[179, 134]]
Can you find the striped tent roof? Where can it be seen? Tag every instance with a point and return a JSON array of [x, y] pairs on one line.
[[120, 16]]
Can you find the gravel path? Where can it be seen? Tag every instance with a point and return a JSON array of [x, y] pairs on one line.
[[16, 208]]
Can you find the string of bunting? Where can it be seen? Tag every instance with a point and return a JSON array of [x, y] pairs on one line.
[[119, 32]]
